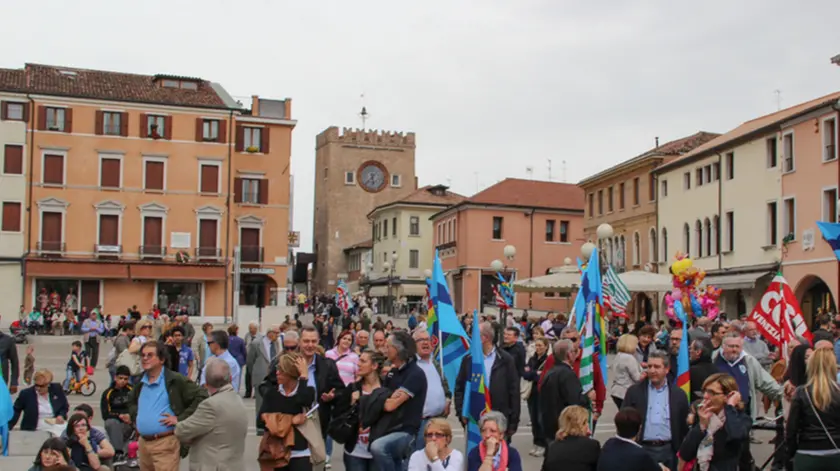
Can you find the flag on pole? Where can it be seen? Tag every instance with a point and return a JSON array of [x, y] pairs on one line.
[[589, 296], [683, 376], [503, 292], [615, 293], [831, 233], [449, 339], [601, 335], [342, 297], [6, 413], [477, 397], [777, 306]]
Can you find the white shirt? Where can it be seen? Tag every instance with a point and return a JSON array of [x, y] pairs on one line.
[[420, 462], [45, 409], [435, 395]]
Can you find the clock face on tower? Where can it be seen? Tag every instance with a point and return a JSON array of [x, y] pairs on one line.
[[372, 176]]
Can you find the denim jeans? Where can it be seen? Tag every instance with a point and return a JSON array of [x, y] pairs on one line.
[[420, 440], [391, 452], [329, 443], [70, 374], [353, 463]]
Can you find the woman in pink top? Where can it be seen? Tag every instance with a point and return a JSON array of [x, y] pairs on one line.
[[345, 359]]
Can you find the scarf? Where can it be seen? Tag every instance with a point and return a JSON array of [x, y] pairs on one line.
[[500, 461], [705, 451]]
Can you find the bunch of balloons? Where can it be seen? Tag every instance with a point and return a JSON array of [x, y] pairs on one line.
[[696, 301]]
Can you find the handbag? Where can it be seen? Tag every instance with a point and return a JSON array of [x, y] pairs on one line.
[[343, 426], [131, 361], [813, 408], [311, 431]]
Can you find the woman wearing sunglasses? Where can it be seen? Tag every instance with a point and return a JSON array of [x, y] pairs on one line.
[[437, 455]]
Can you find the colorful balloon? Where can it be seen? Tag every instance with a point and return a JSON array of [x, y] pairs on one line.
[[687, 293]]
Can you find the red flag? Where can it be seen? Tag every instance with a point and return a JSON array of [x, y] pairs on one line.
[[778, 316]]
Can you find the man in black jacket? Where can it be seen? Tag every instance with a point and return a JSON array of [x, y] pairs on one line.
[[501, 378], [621, 451], [9, 364], [115, 410], [514, 348], [656, 399], [561, 387]]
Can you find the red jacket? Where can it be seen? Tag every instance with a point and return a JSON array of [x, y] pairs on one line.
[[600, 388]]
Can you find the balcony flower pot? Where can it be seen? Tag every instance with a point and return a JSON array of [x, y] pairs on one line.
[[252, 149], [182, 257]]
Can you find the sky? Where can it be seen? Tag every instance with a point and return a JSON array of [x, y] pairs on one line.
[[490, 87]]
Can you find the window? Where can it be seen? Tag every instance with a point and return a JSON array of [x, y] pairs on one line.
[[394, 227], [12, 159], [396, 181], [413, 259], [730, 165], [12, 111], [600, 202], [829, 205], [637, 249], [210, 130], [707, 173], [621, 195], [663, 188], [829, 129], [664, 257], [772, 152], [186, 85], [414, 226], [154, 171], [698, 242], [188, 294], [730, 231], [789, 218], [251, 190], [497, 227], [707, 236], [610, 199], [717, 234], [170, 84], [549, 230], [699, 176], [11, 217], [686, 238], [253, 139], [209, 179], [687, 181], [349, 178], [56, 119], [110, 172], [653, 250], [716, 171], [155, 126], [111, 123], [591, 204], [385, 229], [636, 191], [564, 231], [651, 188], [787, 152], [772, 237], [53, 169]]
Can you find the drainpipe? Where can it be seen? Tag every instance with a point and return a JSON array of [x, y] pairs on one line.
[[531, 261], [32, 118], [231, 137], [836, 107], [719, 240]]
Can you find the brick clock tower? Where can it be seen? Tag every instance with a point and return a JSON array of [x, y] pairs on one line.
[[355, 171]]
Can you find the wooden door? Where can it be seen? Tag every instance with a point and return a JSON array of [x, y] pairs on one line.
[[152, 237], [109, 227], [51, 232], [250, 244], [90, 294], [207, 238]]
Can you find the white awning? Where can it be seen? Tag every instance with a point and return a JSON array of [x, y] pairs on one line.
[[412, 289], [638, 280], [734, 281], [553, 283], [378, 291]]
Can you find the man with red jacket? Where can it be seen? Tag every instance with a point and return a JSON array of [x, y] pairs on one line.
[[571, 333]]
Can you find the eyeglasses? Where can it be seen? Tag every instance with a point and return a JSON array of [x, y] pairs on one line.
[[436, 435], [422, 339], [148, 355], [712, 392], [42, 386]]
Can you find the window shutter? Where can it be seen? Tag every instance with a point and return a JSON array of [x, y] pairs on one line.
[[100, 122], [3, 110], [110, 176], [223, 131], [42, 118], [13, 159], [210, 178], [124, 124], [199, 129], [144, 125], [265, 138], [11, 217], [237, 190], [68, 120], [263, 191], [154, 175], [240, 138], [167, 127], [26, 112]]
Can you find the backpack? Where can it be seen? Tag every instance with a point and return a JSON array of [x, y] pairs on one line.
[[130, 360]]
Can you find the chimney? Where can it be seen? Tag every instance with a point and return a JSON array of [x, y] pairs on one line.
[[255, 105], [415, 183], [657, 142]]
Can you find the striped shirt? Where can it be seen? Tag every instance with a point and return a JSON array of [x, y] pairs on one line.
[[347, 363]]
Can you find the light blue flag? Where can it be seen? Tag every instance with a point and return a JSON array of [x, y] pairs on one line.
[[831, 233], [477, 397], [452, 343], [6, 413]]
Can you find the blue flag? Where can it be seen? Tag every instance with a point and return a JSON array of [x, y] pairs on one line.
[[831, 233], [448, 336], [477, 397], [6, 413]]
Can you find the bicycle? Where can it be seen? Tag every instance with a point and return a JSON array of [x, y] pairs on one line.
[[85, 386]]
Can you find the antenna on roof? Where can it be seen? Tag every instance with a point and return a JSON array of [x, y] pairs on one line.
[[778, 99], [530, 171], [564, 171], [449, 182], [364, 114], [657, 142], [549, 169]]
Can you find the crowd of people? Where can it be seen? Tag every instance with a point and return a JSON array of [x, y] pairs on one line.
[[376, 390]]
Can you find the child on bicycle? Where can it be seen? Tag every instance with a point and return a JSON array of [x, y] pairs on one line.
[[76, 365]]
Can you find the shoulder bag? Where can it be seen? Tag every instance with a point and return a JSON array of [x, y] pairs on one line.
[[817, 413]]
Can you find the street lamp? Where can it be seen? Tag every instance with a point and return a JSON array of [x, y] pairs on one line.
[[428, 273], [499, 266], [389, 269]]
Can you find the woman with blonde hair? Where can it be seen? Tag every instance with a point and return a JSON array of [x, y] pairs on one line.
[[574, 449], [813, 428], [437, 455], [626, 369]]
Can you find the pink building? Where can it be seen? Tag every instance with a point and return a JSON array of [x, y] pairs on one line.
[[542, 220], [808, 150]]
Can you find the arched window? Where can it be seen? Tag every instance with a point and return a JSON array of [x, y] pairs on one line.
[[653, 250], [716, 231], [622, 251], [707, 227], [686, 238], [637, 248], [698, 233], [665, 245]]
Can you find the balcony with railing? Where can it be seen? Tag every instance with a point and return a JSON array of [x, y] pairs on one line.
[[208, 253], [51, 249], [152, 252], [250, 197], [251, 253], [106, 251]]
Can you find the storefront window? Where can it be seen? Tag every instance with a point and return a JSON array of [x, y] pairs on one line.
[[52, 294], [172, 296]]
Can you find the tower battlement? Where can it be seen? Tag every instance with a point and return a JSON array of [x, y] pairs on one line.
[[366, 137]]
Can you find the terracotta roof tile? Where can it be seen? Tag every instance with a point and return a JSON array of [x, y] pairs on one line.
[[365, 244], [103, 85], [532, 194], [755, 125], [426, 196]]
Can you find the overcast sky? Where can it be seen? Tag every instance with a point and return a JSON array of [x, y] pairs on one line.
[[490, 87]]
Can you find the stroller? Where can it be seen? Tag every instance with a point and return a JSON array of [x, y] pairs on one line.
[[18, 332]]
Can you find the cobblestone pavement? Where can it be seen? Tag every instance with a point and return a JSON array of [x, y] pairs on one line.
[[53, 352]]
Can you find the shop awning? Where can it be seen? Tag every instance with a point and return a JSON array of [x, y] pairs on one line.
[[638, 280], [734, 281], [378, 291], [413, 290]]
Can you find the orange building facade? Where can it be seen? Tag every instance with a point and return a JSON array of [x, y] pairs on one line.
[[143, 190], [542, 220]]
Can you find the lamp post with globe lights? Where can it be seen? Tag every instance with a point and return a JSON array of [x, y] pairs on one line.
[[499, 266], [389, 268]]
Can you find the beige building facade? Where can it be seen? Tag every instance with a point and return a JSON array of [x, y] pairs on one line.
[[14, 113], [355, 171]]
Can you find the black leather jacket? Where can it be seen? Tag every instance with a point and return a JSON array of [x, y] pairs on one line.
[[804, 431]]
